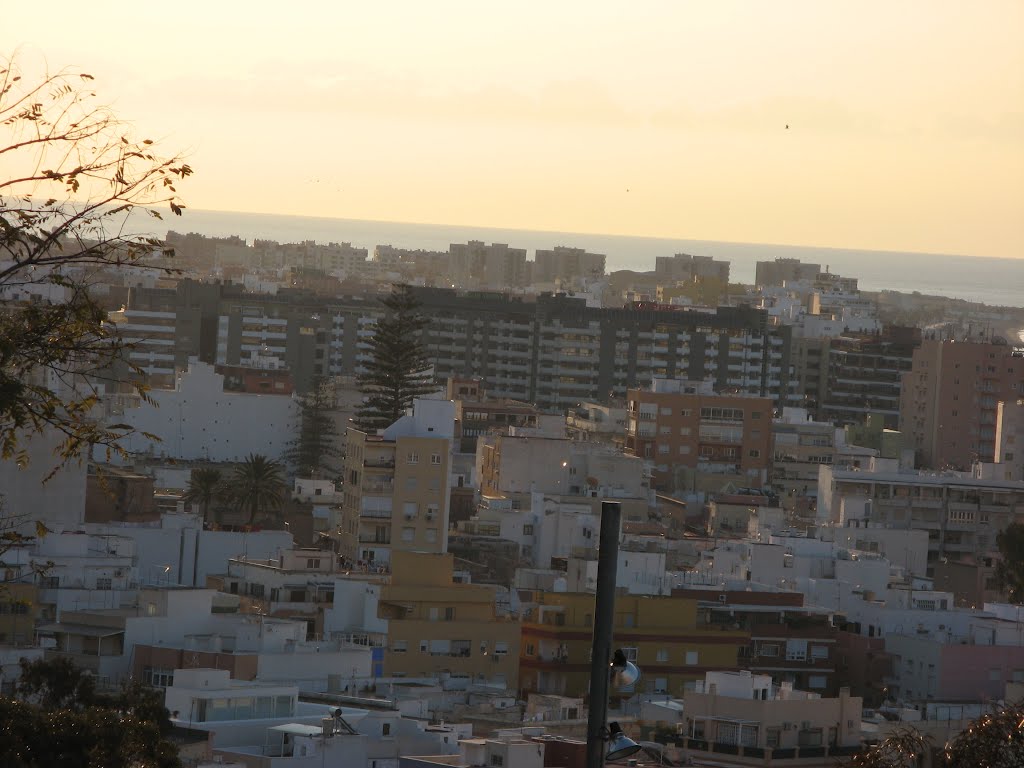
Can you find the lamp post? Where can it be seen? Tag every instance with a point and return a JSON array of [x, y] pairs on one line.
[[604, 622]]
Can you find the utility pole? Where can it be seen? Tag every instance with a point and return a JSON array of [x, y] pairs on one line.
[[604, 623]]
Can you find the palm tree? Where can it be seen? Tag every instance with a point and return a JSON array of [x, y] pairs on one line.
[[257, 486], [204, 486]]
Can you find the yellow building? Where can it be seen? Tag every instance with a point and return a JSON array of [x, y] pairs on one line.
[[396, 489], [660, 634], [436, 626]]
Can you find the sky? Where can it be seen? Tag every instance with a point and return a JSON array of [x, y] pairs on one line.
[[667, 119]]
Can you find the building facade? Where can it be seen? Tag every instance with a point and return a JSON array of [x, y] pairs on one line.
[[681, 425], [950, 400]]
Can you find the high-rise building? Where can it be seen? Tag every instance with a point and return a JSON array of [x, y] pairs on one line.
[[556, 351], [684, 266], [865, 372], [949, 400], [686, 426], [782, 271], [551, 351], [396, 490], [478, 265], [565, 264]]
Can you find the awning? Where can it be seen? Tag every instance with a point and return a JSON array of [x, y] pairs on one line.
[[80, 629], [297, 729]]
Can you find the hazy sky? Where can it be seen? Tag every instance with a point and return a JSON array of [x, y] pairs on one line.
[[906, 117]]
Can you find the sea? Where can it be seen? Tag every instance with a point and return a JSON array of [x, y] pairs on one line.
[[993, 281]]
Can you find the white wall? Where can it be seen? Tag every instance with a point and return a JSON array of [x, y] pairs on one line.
[[60, 501], [199, 420]]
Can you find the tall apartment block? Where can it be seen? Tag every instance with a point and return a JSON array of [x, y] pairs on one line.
[[565, 264], [397, 490], [950, 398], [478, 265], [680, 426], [556, 351], [683, 266], [551, 351], [782, 271], [865, 376]]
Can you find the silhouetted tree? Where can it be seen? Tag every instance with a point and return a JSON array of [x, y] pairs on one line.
[[204, 487], [314, 446], [73, 174], [398, 370], [1010, 568], [257, 486]]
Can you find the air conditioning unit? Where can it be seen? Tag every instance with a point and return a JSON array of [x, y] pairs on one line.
[[805, 725], [788, 726], [723, 598]]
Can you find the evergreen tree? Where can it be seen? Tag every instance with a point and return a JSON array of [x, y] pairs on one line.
[[1010, 568], [398, 371], [309, 454]]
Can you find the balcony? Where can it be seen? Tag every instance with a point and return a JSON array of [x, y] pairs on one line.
[[379, 463]]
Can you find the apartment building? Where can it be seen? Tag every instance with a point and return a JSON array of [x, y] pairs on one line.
[[782, 271], [683, 266], [742, 719], [436, 627], [1010, 439], [681, 425], [799, 446], [660, 634], [865, 376], [552, 351], [478, 265], [198, 420], [950, 397], [790, 642], [962, 513], [397, 485], [565, 265]]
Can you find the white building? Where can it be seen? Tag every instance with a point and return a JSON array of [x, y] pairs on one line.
[[199, 420]]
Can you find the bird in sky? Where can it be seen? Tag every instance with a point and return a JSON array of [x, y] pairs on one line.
[[787, 126]]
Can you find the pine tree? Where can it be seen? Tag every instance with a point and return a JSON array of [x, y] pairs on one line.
[[398, 371], [309, 454]]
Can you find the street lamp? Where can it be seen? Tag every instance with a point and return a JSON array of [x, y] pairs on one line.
[[607, 743]]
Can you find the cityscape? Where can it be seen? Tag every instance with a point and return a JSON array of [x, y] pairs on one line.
[[380, 502]]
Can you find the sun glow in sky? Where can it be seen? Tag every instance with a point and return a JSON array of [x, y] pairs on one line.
[[906, 119]]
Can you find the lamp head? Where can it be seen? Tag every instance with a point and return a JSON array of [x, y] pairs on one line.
[[620, 746], [624, 672]]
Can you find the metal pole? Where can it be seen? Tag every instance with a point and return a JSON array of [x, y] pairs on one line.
[[604, 622]]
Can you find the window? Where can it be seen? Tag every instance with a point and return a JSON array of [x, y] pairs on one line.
[[400, 646], [408, 534], [449, 614], [313, 563], [411, 483], [528, 530], [666, 411], [796, 650], [412, 458], [685, 412], [769, 650], [662, 655], [158, 677], [773, 736], [385, 729], [754, 454], [663, 448], [410, 509], [684, 431], [819, 651], [104, 583], [817, 681], [684, 449], [661, 685], [497, 761], [435, 458], [692, 658], [431, 535]]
